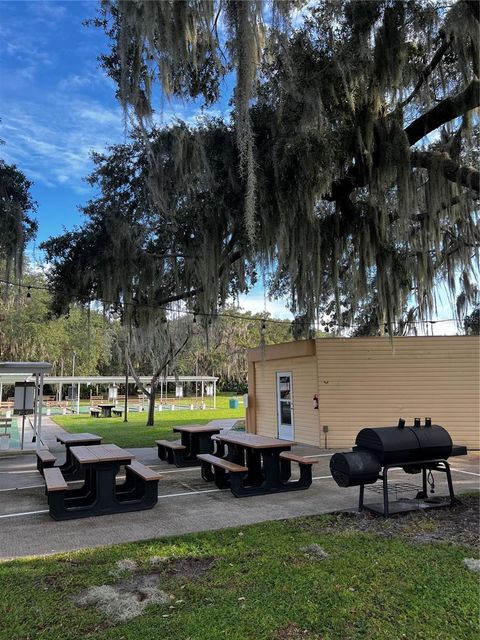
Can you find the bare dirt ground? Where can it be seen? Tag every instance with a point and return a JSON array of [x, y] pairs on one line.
[[459, 525]]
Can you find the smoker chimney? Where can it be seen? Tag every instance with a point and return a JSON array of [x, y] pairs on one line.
[[428, 422], [416, 422], [401, 423]]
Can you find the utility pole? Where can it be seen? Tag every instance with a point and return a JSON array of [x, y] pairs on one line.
[[60, 385], [125, 417]]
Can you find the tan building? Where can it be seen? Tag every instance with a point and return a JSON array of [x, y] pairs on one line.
[[357, 382]]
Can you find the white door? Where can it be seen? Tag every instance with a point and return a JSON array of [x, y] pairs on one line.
[[285, 405]]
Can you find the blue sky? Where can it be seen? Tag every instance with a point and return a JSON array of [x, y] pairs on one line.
[[56, 105]]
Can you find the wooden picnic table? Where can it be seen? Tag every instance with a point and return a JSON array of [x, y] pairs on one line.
[[106, 410], [100, 493], [255, 465], [261, 456], [71, 469], [197, 438]]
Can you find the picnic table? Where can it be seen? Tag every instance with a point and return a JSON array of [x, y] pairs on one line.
[[70, 469], [106, 410], [195, 439], [100, 494], [255, 465]]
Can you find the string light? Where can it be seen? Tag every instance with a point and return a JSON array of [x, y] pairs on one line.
[[195, 314]]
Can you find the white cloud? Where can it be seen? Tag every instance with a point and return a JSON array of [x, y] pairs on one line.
[[256, 304], [46, 11], [99, 115], [53, 142]]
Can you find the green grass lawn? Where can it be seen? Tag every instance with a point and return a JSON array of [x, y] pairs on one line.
[[253, 583], [136, 434]]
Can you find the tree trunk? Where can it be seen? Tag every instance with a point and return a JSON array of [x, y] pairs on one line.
[[151, 403], [153, 383]]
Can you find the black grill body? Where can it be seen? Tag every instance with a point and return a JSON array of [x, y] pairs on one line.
[[417, 449], [395, 444], [377, 447]]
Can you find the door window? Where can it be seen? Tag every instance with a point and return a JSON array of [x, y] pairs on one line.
[[284, 406]]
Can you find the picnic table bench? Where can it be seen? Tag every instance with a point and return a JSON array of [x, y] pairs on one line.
[[169, 451], [118, 413], [256, 465], [45, 460], [54, 481], [100, 495], [94, 412], [226, 474], [195, 439]]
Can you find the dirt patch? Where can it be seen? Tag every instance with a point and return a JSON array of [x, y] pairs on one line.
[[191, 568], [457, 524], [126, 565], [127, 599], [472, 563], [292, 632], [314, 552]]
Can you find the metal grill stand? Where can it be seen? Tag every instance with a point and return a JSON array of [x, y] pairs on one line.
[[422, 500]]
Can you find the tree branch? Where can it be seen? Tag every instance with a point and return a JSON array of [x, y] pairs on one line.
[[474, 7], [193, 292], [427, 71], [135, 376], [158, 373], [467, 176], [447, 110]]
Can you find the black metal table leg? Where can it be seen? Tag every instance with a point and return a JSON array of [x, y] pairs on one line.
[[271, 469], [236, 454], [255, 475], [71, 469], [85, 494]]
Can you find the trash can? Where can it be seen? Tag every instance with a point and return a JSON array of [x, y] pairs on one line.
[[233, 403], [4, 442]]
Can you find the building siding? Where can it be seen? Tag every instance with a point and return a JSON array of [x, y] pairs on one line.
[[304, 378], [370, 382]]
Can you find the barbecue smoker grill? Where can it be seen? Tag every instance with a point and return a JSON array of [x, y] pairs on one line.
[[417, 449]]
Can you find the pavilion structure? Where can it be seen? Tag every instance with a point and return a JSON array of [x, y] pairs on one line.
[[207, 384], [13, 372]]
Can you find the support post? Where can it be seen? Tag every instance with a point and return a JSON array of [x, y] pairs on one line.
[[35, 412], [214, 394], [38, 429], [78, 399], [125, 417]]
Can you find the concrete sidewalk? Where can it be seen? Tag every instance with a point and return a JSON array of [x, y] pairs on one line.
[[186, 503]]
